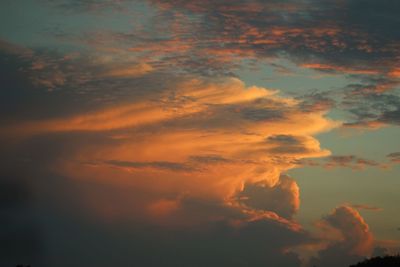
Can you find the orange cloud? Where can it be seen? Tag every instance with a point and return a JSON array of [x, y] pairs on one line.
[[326, 67], [354, 233], [395, 73], [204, 140], [129, 71]]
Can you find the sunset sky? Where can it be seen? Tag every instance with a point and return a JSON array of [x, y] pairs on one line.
[[199, 133]]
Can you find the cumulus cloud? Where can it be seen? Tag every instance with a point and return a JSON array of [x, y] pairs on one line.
[[283, 198], [354, 241], [355, 234], [197, 155], [158, 133]]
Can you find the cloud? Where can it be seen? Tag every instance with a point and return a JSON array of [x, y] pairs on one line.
[[354, 241], [144, 227], [356, 237], [13, 49], [210, 39], [195, 154], [344, 161], [327, 35], [146, 139], [350, 161], [87, 5], [22, 239], [394, 157], [130, 71], [283, 198], [354, 38], [158, 165], [199, 139], [366, 207]]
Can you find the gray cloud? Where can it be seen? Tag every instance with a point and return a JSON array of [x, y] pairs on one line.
[[282, 198], [173, 166], [394, 157], [344, 161]]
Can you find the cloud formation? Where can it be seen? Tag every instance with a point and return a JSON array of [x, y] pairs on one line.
[[203, 156], [394, 157], [199, 127], [147, 139], [344, 161], [353, 38], [353, 241]]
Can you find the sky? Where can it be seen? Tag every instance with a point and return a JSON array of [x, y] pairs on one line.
[[199, 132]]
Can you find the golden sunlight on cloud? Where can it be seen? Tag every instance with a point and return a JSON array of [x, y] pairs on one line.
[[129, 71], [343, 232], [219, 142], [354, 232]]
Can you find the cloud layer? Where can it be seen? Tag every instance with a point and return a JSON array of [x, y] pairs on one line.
[[205, 157], [147, 139]]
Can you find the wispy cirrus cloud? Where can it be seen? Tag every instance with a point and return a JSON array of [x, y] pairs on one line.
[[218, 39], [366, 207], [345, 161]]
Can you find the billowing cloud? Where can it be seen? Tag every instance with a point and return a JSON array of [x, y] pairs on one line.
[[147, 139], [192, 156], [283, 198], [354, 241], [255, 134]]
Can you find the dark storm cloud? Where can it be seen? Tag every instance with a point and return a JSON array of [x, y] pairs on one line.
[[213, 244], [70, 234], [21, 234], [283, 198]]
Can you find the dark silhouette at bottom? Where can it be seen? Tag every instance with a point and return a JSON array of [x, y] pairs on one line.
[[386, 261]]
